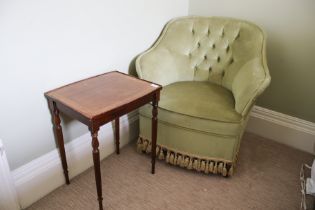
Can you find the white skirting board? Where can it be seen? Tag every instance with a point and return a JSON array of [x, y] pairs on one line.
[[45, 174], [8, 196], [285, 129], [39, 177]]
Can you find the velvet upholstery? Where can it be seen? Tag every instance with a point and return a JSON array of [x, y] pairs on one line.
[[212, 70]]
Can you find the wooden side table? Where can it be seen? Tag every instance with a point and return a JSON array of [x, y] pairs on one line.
[[96, 101]]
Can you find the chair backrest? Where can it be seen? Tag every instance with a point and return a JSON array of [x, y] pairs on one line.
[[202, 49]]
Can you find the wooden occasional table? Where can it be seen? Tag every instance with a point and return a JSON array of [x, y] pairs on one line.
[[99, 100]]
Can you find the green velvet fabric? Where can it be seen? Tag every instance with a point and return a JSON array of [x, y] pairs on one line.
[[189, 141], [212, 70], [200, 99], [202, 106]]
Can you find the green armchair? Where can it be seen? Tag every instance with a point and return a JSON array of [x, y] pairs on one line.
[[212, 70]]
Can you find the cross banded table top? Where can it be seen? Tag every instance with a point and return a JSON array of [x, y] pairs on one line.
[[102, 93]]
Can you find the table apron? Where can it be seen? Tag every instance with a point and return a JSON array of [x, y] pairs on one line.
[[118, 112], [72, 113]]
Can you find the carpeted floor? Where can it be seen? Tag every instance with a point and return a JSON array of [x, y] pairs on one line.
[[267, 178]]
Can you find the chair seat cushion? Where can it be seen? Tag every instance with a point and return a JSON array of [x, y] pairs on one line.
[[202, 106]]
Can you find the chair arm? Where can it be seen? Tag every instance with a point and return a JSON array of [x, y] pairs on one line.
[[251, 80], [163, 65], [157, 65]]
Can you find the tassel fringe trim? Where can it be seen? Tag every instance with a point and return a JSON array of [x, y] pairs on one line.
[[190, 162]]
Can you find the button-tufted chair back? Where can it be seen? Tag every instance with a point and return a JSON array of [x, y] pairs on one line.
[[204, 49]]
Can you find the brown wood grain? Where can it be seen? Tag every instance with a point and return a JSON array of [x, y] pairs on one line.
[[100, 94]]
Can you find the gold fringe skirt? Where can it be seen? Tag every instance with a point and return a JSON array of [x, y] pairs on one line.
[[191, 162]]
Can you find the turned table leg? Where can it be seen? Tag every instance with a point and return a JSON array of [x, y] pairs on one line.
[[97, 169], [59, 136], [117, 134], [154, 132]]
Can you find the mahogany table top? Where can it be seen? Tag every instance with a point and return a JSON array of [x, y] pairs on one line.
[[101, 94]]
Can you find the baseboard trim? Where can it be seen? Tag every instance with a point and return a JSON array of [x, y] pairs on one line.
[[8, 195], [285, 129], [39, 177]]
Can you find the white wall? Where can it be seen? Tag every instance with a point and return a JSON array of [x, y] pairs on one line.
[[290, 27], [46, 44]]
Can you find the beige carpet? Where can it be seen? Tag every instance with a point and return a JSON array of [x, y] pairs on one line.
[[267, 178]]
